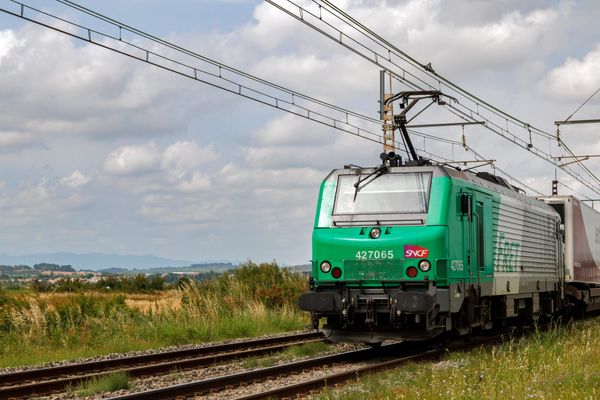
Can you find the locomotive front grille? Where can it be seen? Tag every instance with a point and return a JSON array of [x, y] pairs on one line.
[[373, 270]]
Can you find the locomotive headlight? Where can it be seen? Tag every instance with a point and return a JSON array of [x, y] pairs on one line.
[[375, 233], [325, 266], [424, 265]]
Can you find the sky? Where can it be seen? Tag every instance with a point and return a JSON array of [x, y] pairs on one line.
[[102, 153]]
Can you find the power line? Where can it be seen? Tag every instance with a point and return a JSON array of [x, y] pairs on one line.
[[293, 102], [216, 78], [426, 69], [373, 55], [210, 72], [338, 13], [506, 174], [145, 35], [574, 191], [388, 56], [584, 103]]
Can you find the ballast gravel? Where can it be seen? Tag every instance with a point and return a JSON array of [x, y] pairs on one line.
[[281, 381]]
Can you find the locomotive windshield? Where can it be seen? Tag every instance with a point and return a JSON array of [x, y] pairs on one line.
[[406, 193]]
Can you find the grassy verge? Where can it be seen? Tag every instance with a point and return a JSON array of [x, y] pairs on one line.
[[108, 383], [254, 300], [563, 363]]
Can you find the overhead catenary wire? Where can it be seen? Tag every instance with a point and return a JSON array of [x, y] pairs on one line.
[[119, 44], [504, 173], [377, 55], [428, 69], [210, 72], [389, 57], [213, 78], [574, 191], [584, 103], [578, 161], [338, 13], [381, 59]]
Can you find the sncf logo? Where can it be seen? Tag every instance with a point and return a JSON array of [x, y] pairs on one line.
[[411, 251]]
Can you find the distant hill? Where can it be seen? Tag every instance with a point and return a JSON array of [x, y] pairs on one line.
[[301, 268], [206, 267], [97, 261]]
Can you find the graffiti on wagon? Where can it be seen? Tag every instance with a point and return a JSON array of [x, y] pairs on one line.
[[507, 254]]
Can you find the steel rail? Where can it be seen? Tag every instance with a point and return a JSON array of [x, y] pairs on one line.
[[171, 360], [246, 377], [308, 386]]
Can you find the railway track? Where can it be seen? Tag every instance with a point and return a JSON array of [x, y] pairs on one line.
[[333, 379], [376, 359], [44, 381]]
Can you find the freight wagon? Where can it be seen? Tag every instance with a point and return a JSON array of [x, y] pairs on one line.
[[581, 226]]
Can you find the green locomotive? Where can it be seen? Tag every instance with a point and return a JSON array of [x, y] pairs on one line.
[[410, 252]]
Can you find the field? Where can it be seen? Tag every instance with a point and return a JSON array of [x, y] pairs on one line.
[[562, 363], [253, 300]]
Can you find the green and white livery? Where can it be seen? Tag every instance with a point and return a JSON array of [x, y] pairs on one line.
[[414, 251]]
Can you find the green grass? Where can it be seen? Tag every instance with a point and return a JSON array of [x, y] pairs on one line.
[[305, 350], [108, 383], [563, 363], [292, 352]]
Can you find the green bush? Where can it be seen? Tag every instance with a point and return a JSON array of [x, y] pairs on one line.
[[139, 283]]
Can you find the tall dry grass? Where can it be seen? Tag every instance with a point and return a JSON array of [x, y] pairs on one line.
[[254, 300]]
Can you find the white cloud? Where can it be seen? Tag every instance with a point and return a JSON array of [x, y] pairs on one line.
[[184, 156], [575, 78], [33, 204], [127, 160], [171, 208], [89, 91], [197, 182], [460, 46], [76, 179], [290, 130], [268, 30], [244, 179], [8, 41], [14, 139]]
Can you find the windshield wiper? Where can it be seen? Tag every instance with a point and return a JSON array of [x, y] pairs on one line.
[[380, 171]]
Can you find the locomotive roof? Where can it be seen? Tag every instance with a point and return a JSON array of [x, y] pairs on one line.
[[444, 170]]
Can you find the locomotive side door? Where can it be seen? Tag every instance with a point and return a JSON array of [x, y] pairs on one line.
[[482, 232], [468, 245], [476, 210]]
